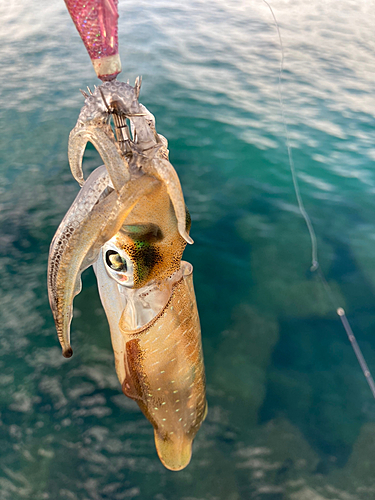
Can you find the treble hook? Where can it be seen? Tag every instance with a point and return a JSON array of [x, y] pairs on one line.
[[121, 128]]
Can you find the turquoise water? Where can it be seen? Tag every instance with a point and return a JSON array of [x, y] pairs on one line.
[[290, 414]]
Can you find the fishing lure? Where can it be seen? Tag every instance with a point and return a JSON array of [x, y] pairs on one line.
[[130, 222]]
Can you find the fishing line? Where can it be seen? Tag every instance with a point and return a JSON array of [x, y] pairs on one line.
[[314, 245]]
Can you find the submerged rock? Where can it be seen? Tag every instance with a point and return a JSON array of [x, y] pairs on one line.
[[280, 263], [241, 363], [359, 472]]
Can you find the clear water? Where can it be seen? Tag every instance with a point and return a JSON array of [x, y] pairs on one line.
[[290, 414]]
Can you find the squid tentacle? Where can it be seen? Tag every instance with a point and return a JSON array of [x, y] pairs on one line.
[[87, 198], [87, 226], [101, 136]]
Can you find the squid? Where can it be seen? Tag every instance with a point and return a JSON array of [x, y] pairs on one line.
[[129, 221]]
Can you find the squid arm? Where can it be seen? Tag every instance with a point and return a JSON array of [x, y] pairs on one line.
[[90, 222], [167, 373], [101, 136], [163, 170]]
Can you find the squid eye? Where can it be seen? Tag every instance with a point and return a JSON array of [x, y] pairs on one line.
[[115, 261]]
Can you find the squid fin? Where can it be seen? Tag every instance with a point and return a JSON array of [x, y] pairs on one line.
[[175, 454]]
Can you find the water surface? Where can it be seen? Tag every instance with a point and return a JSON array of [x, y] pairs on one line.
[[290, 414]]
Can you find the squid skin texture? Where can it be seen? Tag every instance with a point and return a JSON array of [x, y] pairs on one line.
[[167, 374], [92, 126], [160, 363], [77, 244], [156, 256]]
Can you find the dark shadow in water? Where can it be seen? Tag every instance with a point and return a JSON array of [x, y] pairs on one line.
[[223, 269], [314, 380]]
